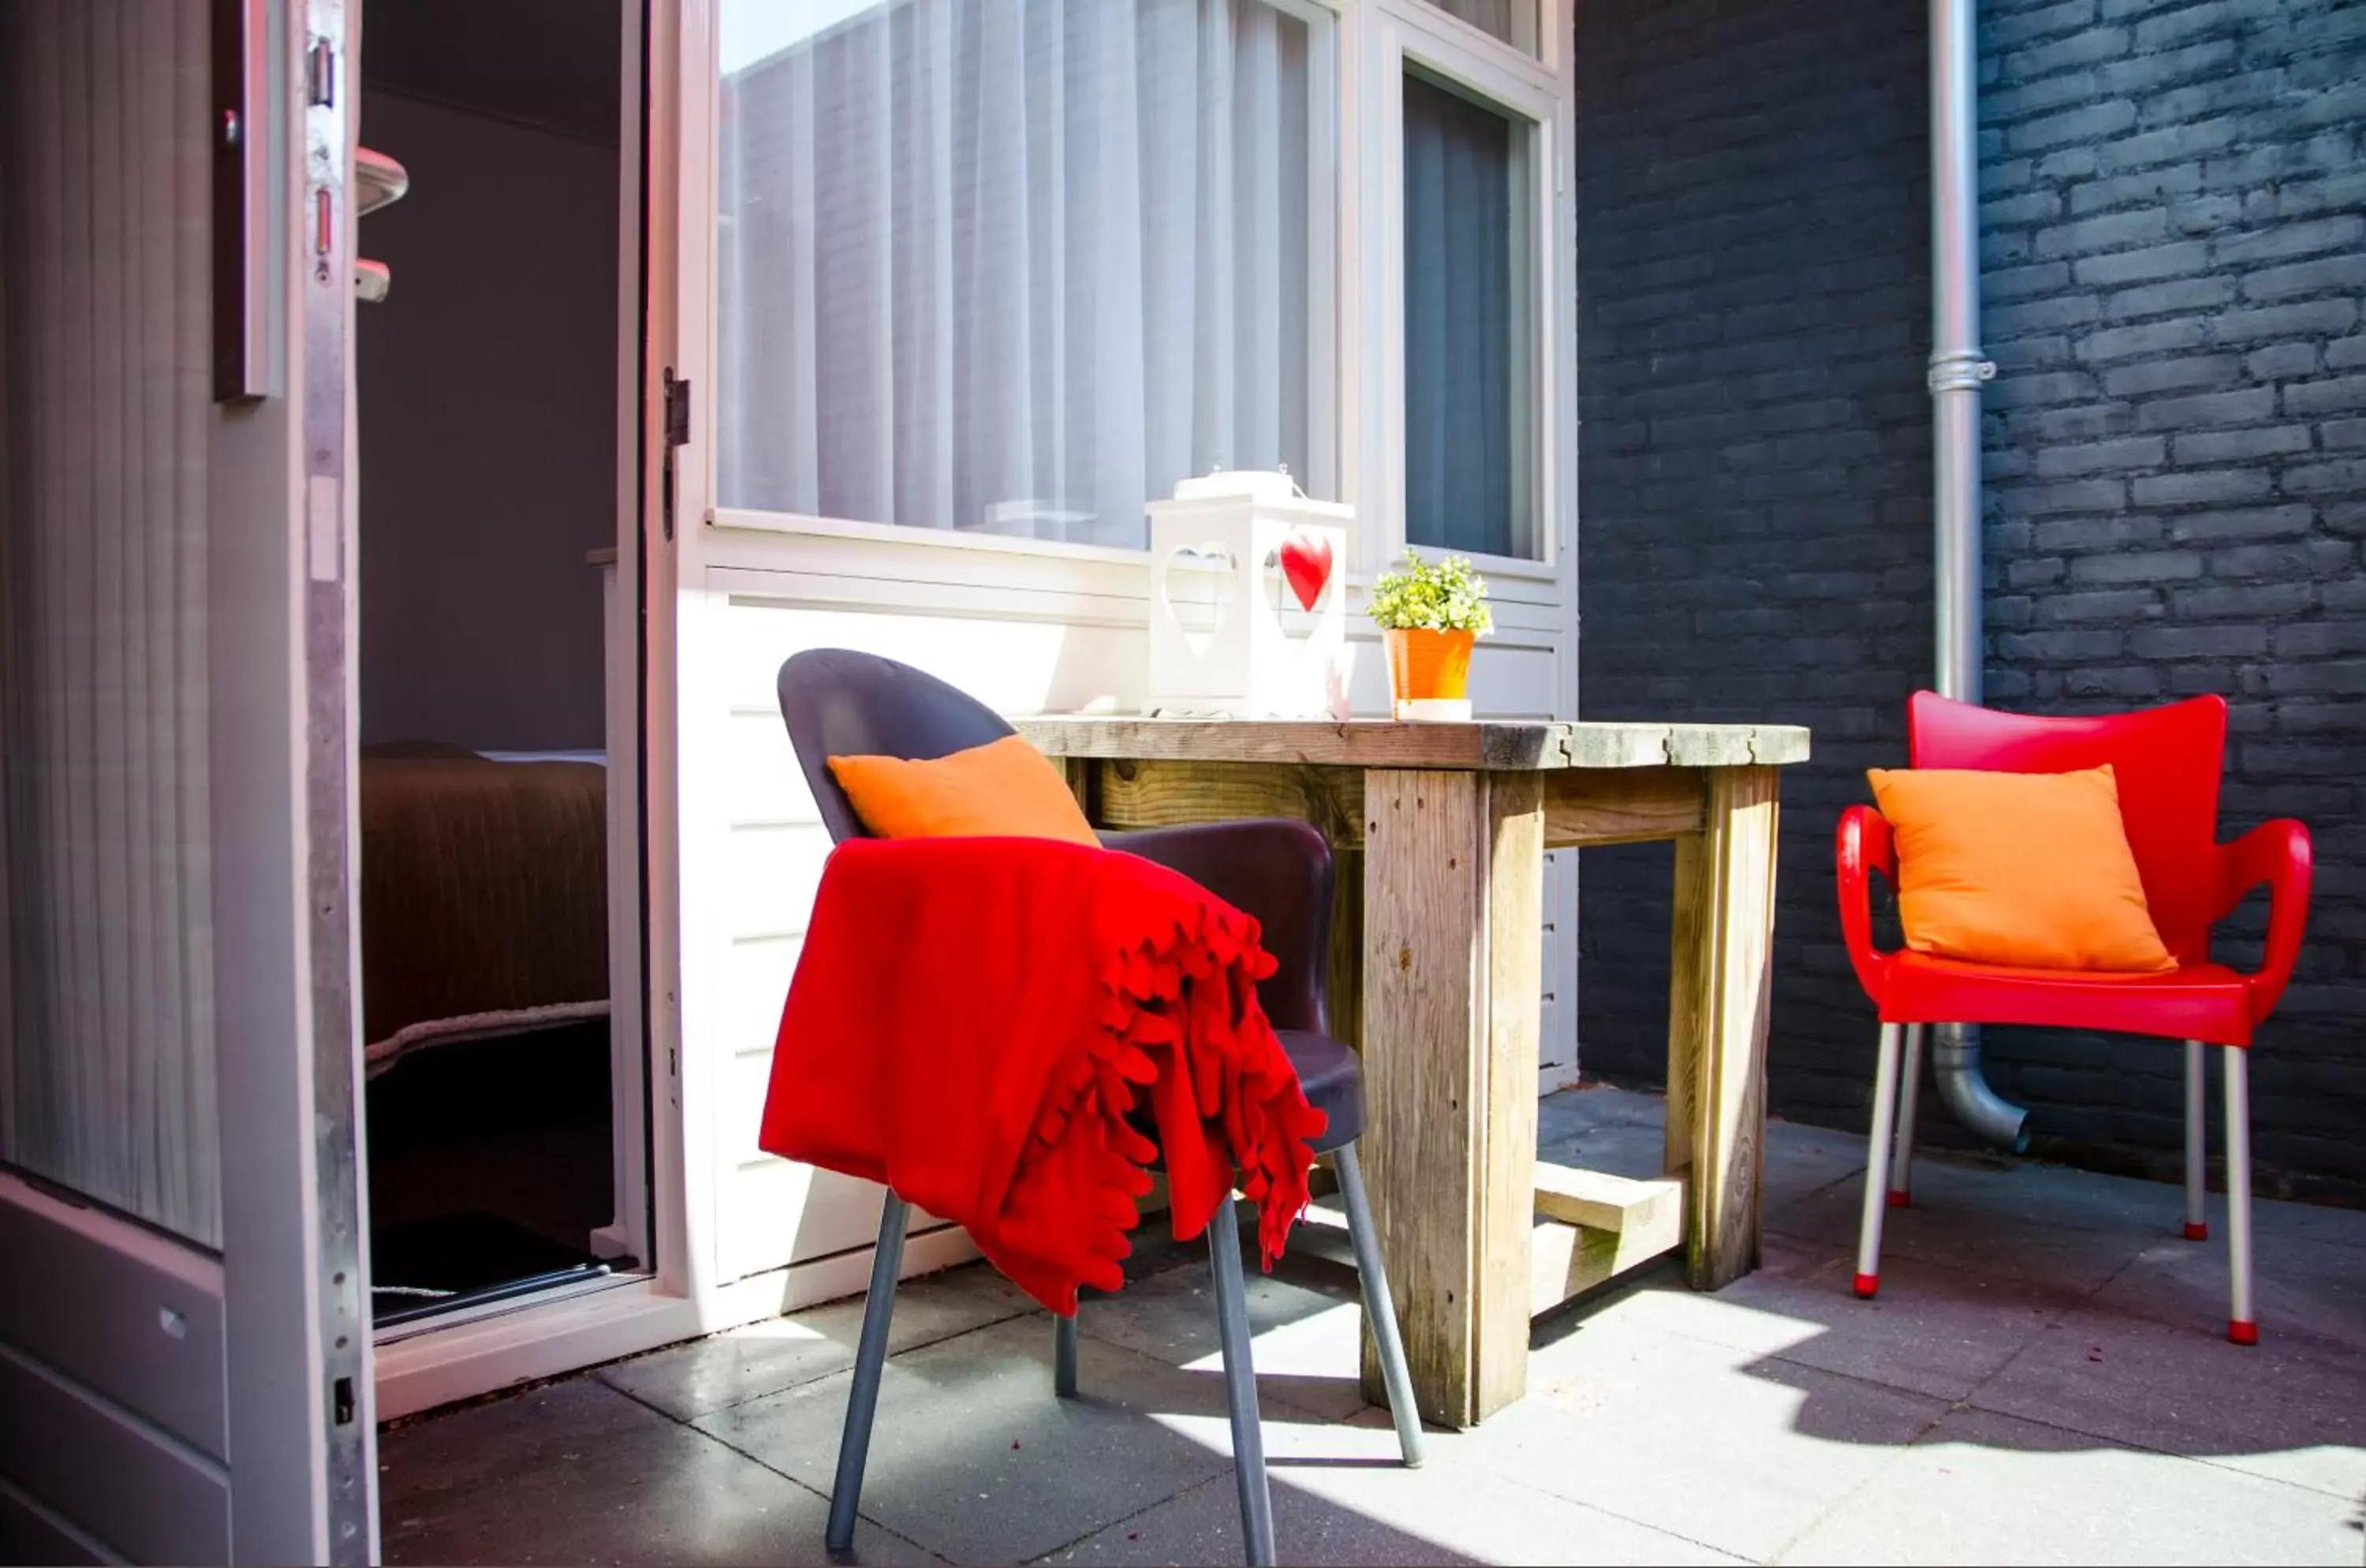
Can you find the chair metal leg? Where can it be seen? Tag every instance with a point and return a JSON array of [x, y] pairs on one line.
[[1064, 1357], [1901, 1166], [2197, 1145], [870, 1359], [1876, 1163], [2242, 1327], [1380, 1309], [1240, 1385]]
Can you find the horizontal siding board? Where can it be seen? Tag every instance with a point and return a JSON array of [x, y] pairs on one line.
[[101, 1312], [146, 1495]]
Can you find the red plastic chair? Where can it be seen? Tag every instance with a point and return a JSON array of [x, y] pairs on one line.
[[2166, 761]]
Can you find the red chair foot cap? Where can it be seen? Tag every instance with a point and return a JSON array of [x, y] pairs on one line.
[[2196, 1233], [1901, 1200], [2241, 1333], [1866, 1284]]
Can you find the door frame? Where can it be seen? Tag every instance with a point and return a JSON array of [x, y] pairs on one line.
[[284, 832]]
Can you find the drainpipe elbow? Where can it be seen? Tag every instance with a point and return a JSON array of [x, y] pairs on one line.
[[1955, 1069]]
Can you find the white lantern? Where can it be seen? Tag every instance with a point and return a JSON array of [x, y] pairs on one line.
[[1248, 600]]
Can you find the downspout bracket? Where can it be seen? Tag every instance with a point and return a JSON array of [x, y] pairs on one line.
[[1963, 370]]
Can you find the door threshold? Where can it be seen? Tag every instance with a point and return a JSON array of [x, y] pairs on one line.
[[525, 1300]]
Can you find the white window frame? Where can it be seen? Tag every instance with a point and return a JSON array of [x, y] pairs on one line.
[[1326, 46], [1399, 35], [1356, 421], [696, 567]]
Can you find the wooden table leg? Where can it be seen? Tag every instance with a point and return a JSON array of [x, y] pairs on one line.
[[1453, 973], [1720, 974]]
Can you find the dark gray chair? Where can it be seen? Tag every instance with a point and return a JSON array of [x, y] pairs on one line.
[[840, 704]]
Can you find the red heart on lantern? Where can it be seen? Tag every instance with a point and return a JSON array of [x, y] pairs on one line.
[[1307, 564]]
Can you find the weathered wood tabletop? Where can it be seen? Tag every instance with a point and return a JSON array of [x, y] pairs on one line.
[[1441, 830]]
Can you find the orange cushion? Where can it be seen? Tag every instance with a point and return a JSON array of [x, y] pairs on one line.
[[1002, 789], [2026, 869]]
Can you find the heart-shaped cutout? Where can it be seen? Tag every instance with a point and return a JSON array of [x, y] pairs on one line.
[[1306, 564], [1204, 575]]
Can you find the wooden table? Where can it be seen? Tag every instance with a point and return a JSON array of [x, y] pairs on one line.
[[1441, 832]]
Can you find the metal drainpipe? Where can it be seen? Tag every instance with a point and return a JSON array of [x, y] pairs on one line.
[[1957, 368]]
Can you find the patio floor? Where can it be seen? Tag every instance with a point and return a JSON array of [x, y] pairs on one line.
[[2045, 1379]]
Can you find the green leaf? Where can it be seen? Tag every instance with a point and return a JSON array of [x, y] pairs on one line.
[[1445, 596]]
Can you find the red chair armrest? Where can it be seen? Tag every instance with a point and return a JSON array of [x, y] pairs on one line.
[[1865, 846], [2278, 854]]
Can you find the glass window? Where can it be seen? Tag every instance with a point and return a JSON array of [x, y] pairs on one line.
[[1469, 444], [1014, 267], [1514, 21]]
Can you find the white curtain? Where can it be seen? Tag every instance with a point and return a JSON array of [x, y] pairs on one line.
[[1013, 266], [1514, 21], [107, 1017]]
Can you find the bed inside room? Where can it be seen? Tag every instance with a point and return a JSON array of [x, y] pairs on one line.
[[487, 372]]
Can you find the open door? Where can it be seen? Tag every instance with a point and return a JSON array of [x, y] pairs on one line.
[[184, 1334]]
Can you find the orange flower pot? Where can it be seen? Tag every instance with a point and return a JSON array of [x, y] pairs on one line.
[[1428, 666]]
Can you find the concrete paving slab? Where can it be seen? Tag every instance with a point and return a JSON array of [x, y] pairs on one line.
[[2291, 1408], [2050, 1194], [1714, 1444], [1365, 1515], [2298, 1287], [1601, 1105], [1801, 1159], [575, 1472], [1984, 1488], [973, 1457], [1932, 1331], [688, 1381], [1304, 1321], [1988, 1230]]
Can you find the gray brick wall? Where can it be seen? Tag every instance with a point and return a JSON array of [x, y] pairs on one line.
[[2173, 258], [2173, 251], [1754, 474]]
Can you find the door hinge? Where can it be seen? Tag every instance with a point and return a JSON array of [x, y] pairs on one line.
[[676, 435]]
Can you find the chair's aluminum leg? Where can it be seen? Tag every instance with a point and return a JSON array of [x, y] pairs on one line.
[[1909, 1082], [1380, 1308], [1876, 1162], [2197, 1145], [2242, 1328], [1064, 1357], [870, 1359], [1240, 1385]]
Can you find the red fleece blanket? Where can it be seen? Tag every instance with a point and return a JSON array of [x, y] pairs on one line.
[[973, 1020]]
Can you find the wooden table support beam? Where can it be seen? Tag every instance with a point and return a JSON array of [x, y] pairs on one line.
[[1720, 982], [1452, 964]]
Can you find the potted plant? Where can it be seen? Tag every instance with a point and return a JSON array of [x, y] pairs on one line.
[[1429, 615]]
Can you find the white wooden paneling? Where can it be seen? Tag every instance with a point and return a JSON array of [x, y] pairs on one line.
[[993, 643], [770, 1214], [123, 1481], [30, 1531], [107, 1042], [1025, 626], [131, 1315], [774, 873]]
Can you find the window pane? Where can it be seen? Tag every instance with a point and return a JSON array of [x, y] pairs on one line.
[[1514, 21], [1468, 337], [1009, 266]]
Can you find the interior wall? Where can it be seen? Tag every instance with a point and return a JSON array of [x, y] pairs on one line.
[[488, 431]]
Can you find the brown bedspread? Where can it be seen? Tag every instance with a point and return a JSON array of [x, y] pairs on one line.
[[484, 891]]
